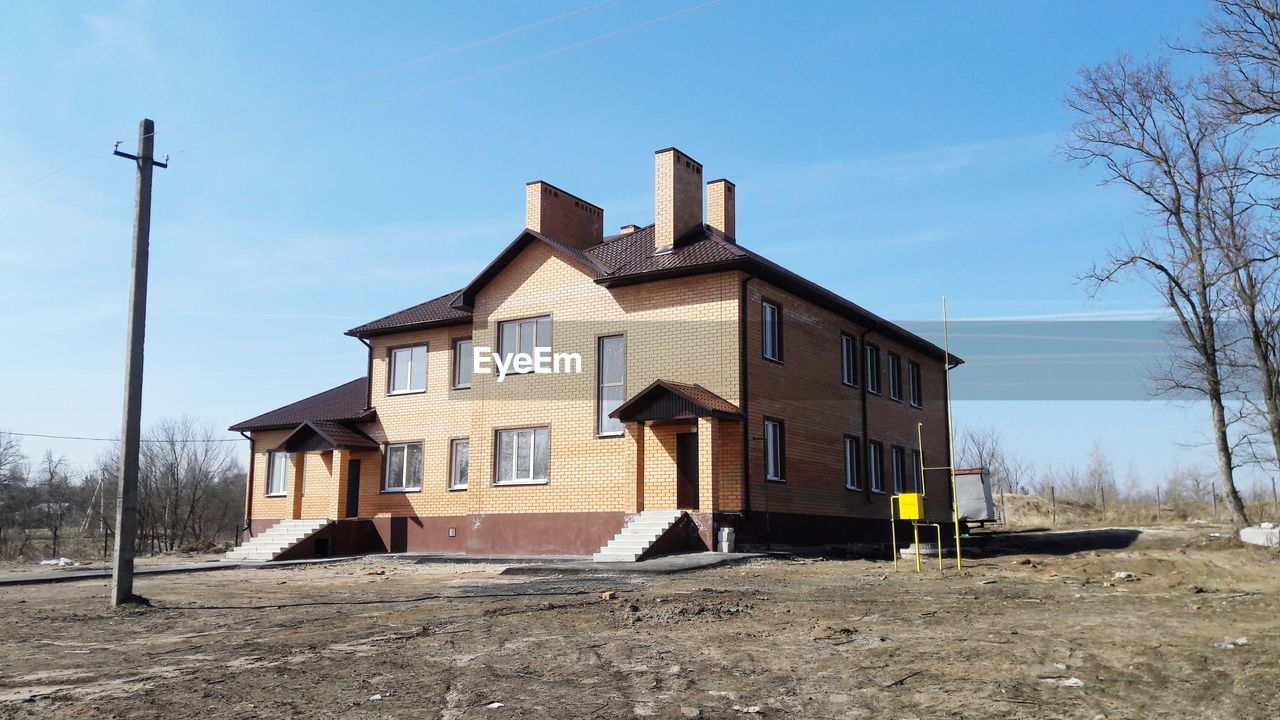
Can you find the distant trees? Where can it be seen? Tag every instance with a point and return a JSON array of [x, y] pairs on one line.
[[190, 493], [190, 485]]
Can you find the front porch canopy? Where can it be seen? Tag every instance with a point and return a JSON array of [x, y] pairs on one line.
[[669, 400], [314, 435]]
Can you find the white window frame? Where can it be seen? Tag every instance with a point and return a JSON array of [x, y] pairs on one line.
[[605, 425], [875, 466], [917, 470], [463, 444], [275, 474], [897, 468], [771, 331], [848, 360], [775, 462], [530, 334], [462, 361], [516, 434], [392, 362], [404, 486], [916, 381], [852, 478]]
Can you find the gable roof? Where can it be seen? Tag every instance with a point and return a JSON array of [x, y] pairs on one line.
[[670, 400], [347, 402], [628, 259], [432, 313], [327, 434], [466, 297]]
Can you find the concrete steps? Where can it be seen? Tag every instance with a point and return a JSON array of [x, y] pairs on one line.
[[278, 538], [639, 534]]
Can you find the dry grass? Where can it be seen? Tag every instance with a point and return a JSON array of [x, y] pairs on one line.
[[1033, 511]]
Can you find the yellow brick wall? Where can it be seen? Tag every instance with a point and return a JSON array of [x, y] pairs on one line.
[[684, 330], [264, 507], [319, 485], [660, 465], [433, 418]]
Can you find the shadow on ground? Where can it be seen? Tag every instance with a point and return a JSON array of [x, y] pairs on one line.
[[1050, 543]]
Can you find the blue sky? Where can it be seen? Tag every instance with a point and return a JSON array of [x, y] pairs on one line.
[[332, 162]]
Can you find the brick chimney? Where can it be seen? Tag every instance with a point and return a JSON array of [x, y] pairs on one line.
[[720, 207], [562, 217], [677, 198]]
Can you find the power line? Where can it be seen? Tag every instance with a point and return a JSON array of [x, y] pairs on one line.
[[48, 175], [64, 196], [105, 439]]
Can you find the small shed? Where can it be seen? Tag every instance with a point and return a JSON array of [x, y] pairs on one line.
[[973, 496]]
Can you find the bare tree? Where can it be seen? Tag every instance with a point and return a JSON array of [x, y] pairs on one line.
[[1149, 133], [56, 496], [1243, 38], [1101, 476], [183, 478], [13, 481], [984, 447]]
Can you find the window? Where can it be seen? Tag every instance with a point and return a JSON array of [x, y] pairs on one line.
[[771, 331], [404, 468], [848, 360], [917, 471], [277, 473], [872, 369], [522, 456], [408, 370], [851, 479], [462, 363], [898, 466], [775, 451], [913, 377], [612, 354], [459, 463], [895, 377], [875, 460], [523, 336]]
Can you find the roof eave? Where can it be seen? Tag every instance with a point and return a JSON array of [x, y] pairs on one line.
[[368, 415], [374, 332]]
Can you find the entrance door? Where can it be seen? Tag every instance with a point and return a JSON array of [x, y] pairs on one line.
[[353, 488], [687, 471]]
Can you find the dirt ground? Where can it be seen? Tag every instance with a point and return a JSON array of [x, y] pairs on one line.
[[27, 569], [1036, 627]]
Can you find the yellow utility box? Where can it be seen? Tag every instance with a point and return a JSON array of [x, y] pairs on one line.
[[911, 506]]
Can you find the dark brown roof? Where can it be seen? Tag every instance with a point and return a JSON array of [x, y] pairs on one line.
[[654, 403], [436, 311], [628, 259], [334, 435], [349, 402]]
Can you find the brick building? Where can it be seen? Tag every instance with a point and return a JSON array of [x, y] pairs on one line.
[[712, 382]]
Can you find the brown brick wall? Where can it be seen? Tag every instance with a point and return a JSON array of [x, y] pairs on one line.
[[805, 391]]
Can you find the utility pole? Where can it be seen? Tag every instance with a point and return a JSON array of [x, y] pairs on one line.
[[131, 433]]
